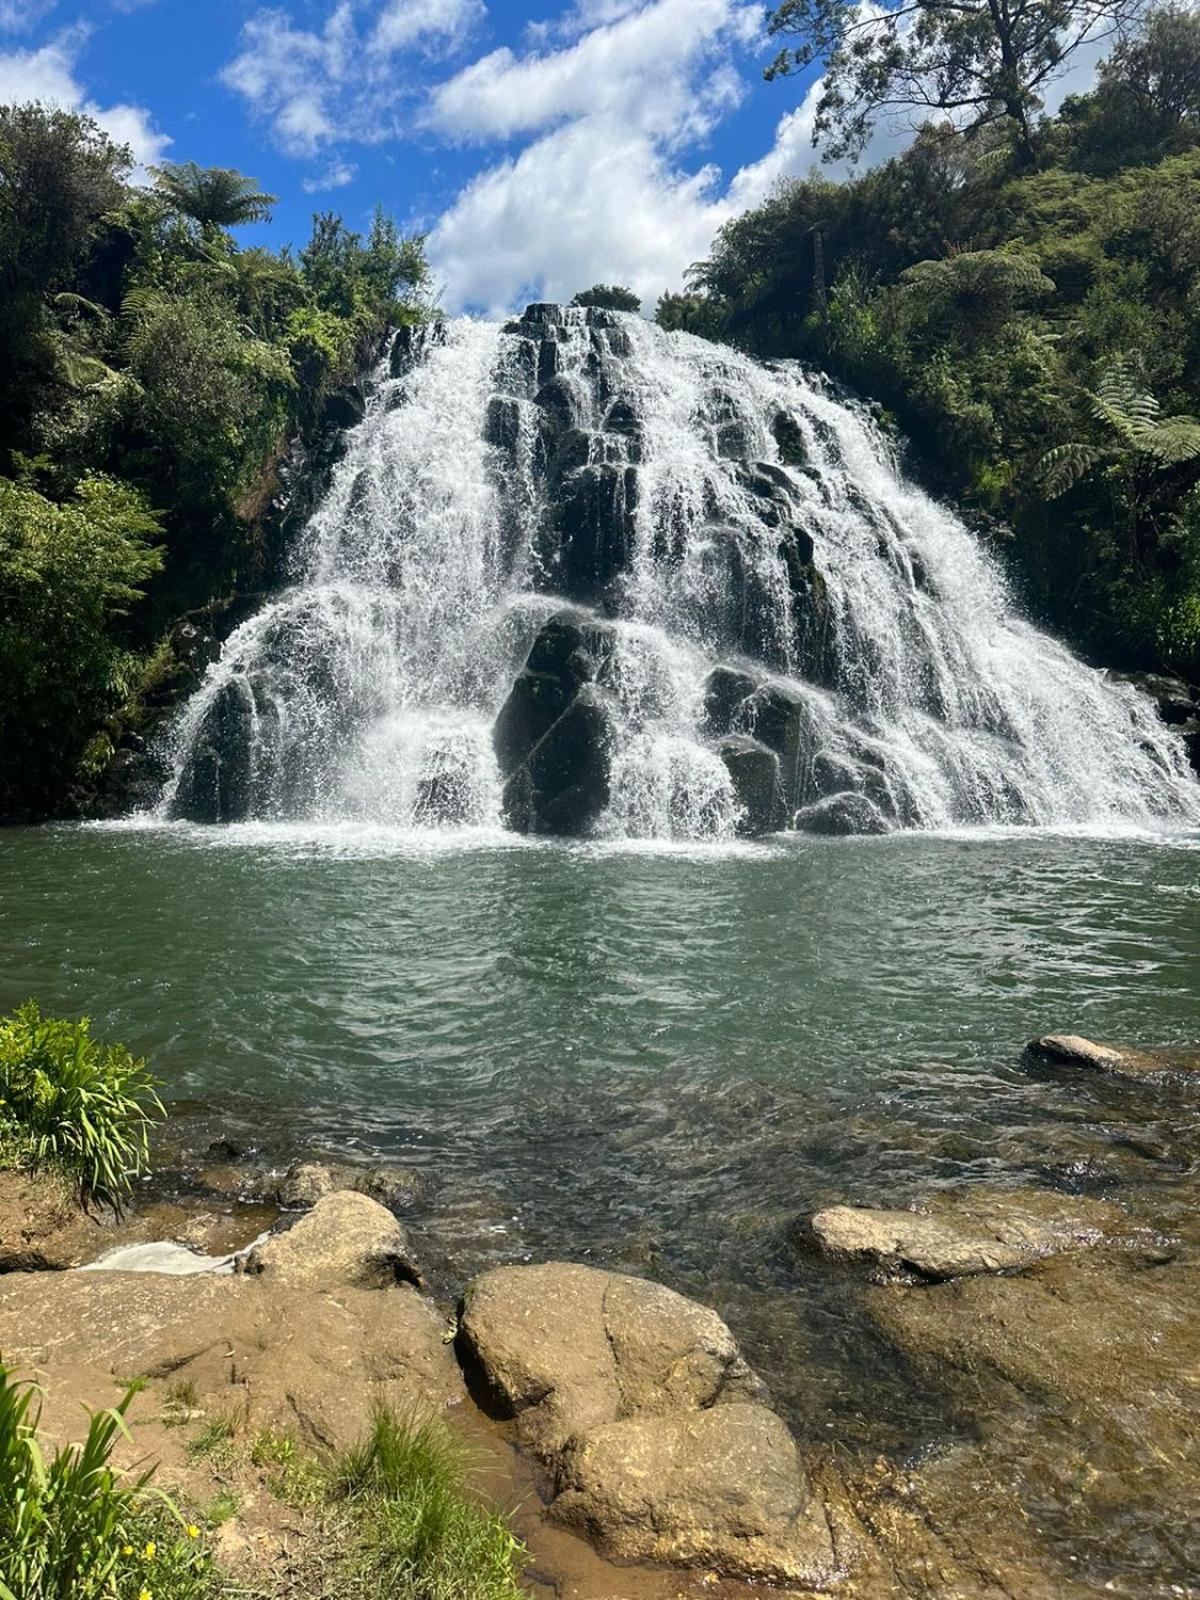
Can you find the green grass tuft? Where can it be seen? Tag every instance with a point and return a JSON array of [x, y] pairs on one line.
[[72, 1104], [420, 1534], [217, 1434]]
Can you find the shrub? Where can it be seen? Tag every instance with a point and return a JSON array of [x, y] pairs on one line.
[[420, 1534], [73, 1527], [75, 1104]]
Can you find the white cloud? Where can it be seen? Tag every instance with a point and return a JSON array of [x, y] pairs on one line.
[[342, 81], [19, 16], [601, 191], [48, 75], [641, 67], [569, 211], [609, 98], [335, 176]]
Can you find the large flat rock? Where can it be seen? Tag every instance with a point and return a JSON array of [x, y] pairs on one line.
[[272, 1353], [966, 1233]]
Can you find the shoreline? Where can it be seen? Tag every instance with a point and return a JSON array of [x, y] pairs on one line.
[[1057, 1317]]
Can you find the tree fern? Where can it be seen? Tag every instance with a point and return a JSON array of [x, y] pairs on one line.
[[1130, 412]]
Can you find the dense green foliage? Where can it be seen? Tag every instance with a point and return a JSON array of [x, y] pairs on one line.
[[74, 1105], [151, 374], [72, 1527], [1014, 318]]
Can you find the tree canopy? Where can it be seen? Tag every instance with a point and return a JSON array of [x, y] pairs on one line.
[[972, 63], [147, 360], [609, 296], [213, 197], [1033, 330]]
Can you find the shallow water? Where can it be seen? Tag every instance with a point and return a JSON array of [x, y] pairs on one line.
[[652, 1058]]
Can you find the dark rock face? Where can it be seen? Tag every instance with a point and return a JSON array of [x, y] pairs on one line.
[[1178, 705], [215, 783], [756, 782], [553, 735]]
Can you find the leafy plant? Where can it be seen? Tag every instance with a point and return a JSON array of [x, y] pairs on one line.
[[82, 1107], [1138, 434], [213, 197], [609, 296], [73, 1527]]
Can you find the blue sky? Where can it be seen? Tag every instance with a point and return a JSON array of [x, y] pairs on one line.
[[542, 144]]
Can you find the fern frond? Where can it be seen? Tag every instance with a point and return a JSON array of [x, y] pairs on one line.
[[1173, 442], [1059, 469]]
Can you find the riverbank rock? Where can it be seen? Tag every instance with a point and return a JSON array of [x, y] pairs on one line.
[[965, 1233], [346, 1239], [264, 1352], [651, 1429], [1126, 1061]]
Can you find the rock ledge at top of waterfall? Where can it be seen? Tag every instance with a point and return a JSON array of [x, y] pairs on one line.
[[577, 576]]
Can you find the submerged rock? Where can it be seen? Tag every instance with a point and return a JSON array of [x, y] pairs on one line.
[[651, 1429], [1126, 1061], [347, 1239], [966, 1233], [307, 1182]]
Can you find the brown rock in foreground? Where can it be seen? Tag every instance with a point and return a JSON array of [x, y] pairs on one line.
[[1072, 1050], [648, 1422], [964, 1233], [262, 1350]]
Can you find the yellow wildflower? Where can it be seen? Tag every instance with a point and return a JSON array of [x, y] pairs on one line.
[[145, 1595], [128, 1550], [193, 1532], [148, 1552]]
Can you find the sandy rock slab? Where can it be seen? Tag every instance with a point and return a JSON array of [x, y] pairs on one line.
[[964, 1233], [1084, 1375], [265, 1353], [1125, 1061], [653, 1432]]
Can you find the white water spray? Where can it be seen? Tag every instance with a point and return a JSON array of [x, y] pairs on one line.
[[369, 689]]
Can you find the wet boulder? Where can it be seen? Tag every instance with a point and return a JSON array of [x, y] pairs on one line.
[[754, 771], [652, 1433], [726, 691], [593, 531], [564, 783], [1125, 1061], [346, 1240], [789, 437], [959, 1235], [215, 784], [553, 734], [841, 814]]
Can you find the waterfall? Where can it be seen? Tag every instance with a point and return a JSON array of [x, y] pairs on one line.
[[576, 575]]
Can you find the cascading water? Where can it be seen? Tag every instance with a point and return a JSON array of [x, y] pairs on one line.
[[576, 575]]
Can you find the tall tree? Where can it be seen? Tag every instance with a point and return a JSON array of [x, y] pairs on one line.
[[213, 197], [973, 62]]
